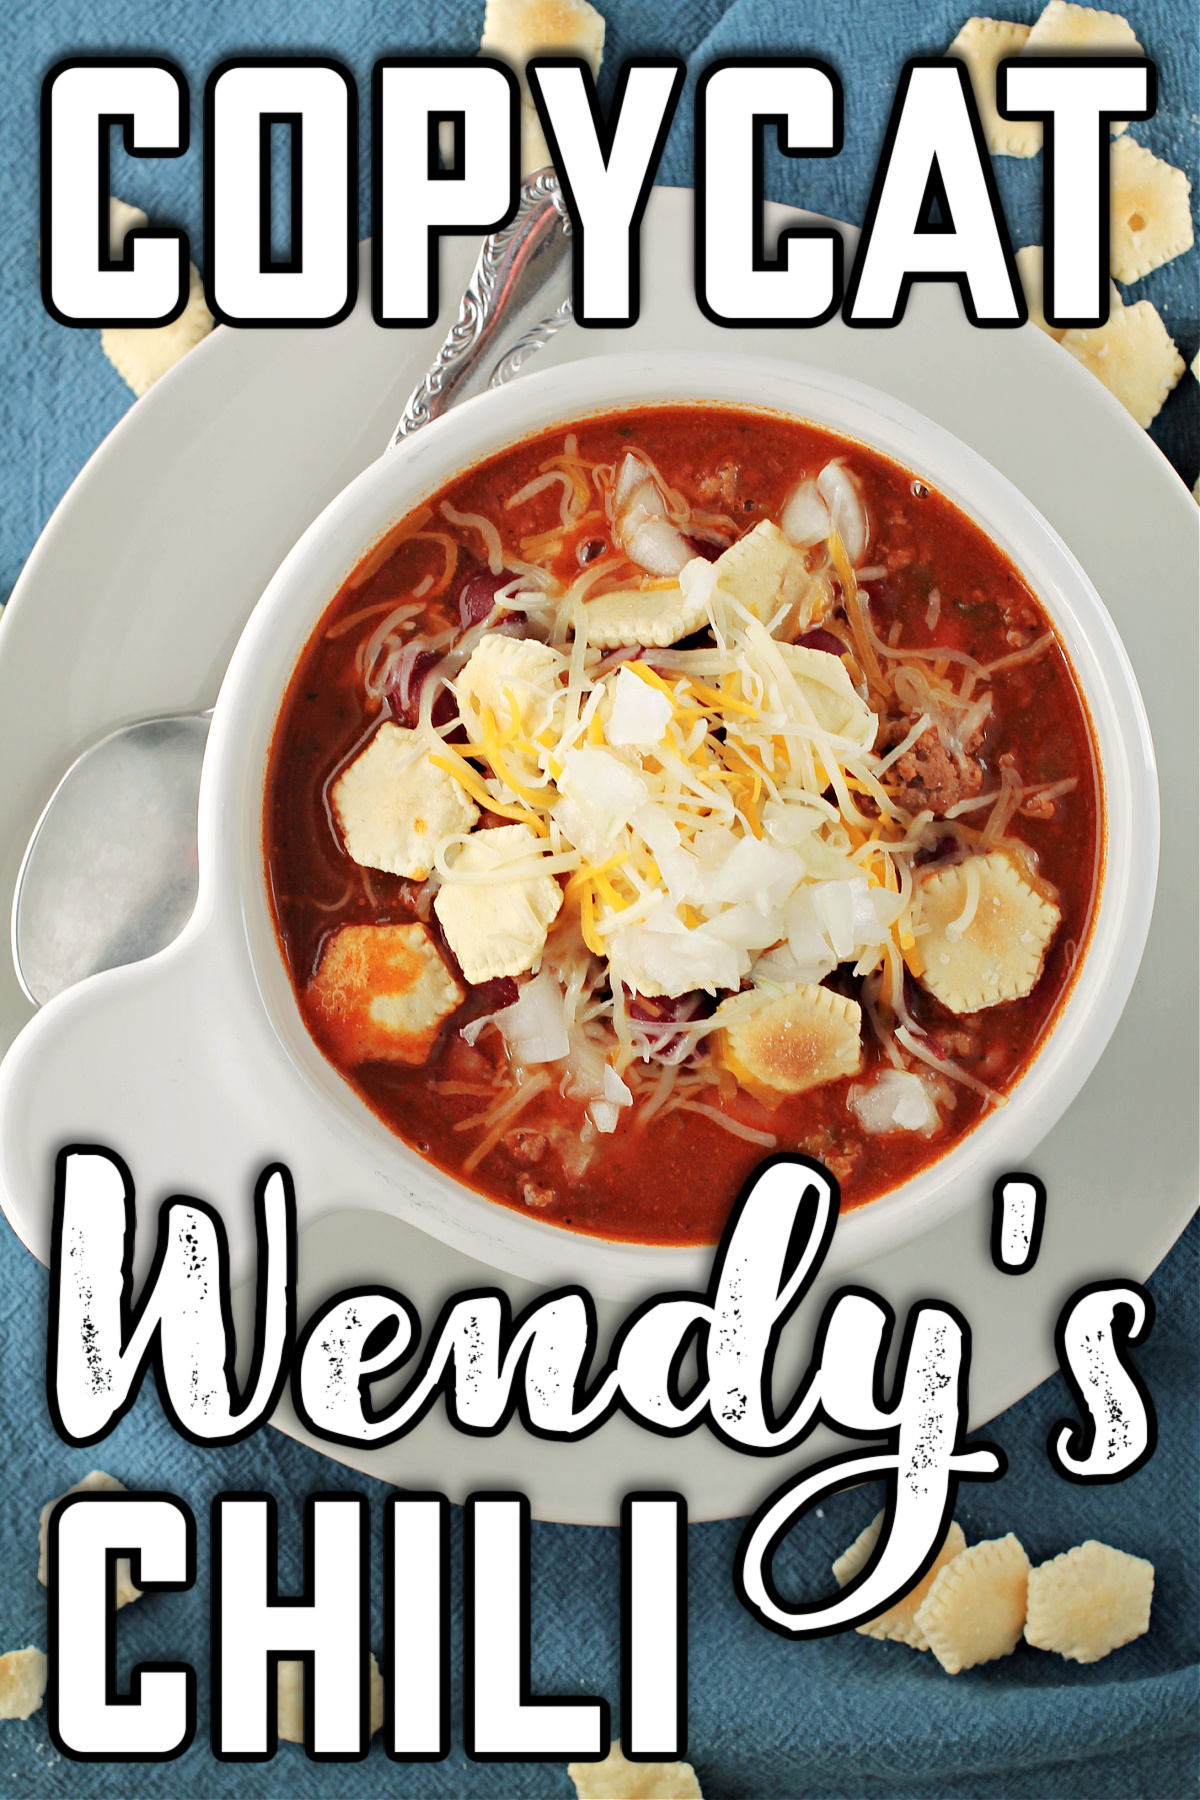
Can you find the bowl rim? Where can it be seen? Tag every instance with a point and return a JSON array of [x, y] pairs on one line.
[[232, 869]]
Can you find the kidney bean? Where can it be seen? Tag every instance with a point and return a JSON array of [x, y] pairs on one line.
[[405, 695], [477, 595], [822, 640], [709, 552]]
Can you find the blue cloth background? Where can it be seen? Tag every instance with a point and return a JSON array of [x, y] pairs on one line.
[[769, 1719]]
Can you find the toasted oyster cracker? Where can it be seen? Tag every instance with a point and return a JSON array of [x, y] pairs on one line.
[[289, 1692], [97, 1482], [1063, 26], [806, 1037], [1150, 215], [851, 1561], [23, 1682], [1030, 267], [380, 994], [499, 666], [616, 1779], [765, 572], [986, 945], [975, 1610], [898, 1623], [981, 44], [1084, 30], [659, 614], [535, 151], [515, 30], [825, 685], [1133, 356], [142, 354], [497, 928], [121, 219], [392, 807], [1089, 1601]]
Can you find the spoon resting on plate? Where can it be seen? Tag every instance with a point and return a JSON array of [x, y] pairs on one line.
[[110, 874]]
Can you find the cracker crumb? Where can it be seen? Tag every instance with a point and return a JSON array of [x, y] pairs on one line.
[[515, 30], [1089, 1602], [898, 1624], [1133, 356], [122, 218], [23, 1682], [1030, 267], [989, 945], [981, 44], [289, 1689], [975, 1610], [616, 1779], [95, 1482], [381, 993], [1150, 216], [1083, 31], [393, 803], [806, 1036], [499, 929], [141, 355]]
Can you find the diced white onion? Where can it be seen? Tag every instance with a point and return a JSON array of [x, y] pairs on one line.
[[533, 1026], [836, 487], [633, 475], [806, 936], [604, 788], [640, 713], [656, 546], [756, 870], [604, 1115], [895, 1101], [805, 516], [615, 1091], [664, 956]]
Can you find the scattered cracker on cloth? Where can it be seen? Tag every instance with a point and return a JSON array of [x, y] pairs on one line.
[[95, 1482], [975, 1610], [981, 44], [1089, 1601], [515, 30], [616, 1779], [898, 1623], [23, 1682], [1080, 31], [141, 355], [289, 1690], [1133, 356], [1150, 219], [122, 219], [1029, 268]]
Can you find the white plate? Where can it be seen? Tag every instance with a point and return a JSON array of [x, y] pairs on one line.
[[139, 587]]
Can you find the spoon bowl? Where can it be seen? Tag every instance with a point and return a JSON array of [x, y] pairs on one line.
[[110, 873]]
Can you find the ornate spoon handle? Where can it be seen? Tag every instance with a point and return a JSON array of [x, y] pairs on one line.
[[520, 289]]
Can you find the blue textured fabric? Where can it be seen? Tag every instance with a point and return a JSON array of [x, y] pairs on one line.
[[769, 1719]]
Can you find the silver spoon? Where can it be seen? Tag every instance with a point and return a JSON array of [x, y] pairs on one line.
[[110, 875]]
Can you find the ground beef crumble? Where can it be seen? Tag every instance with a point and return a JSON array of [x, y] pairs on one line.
[[929, 777]]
